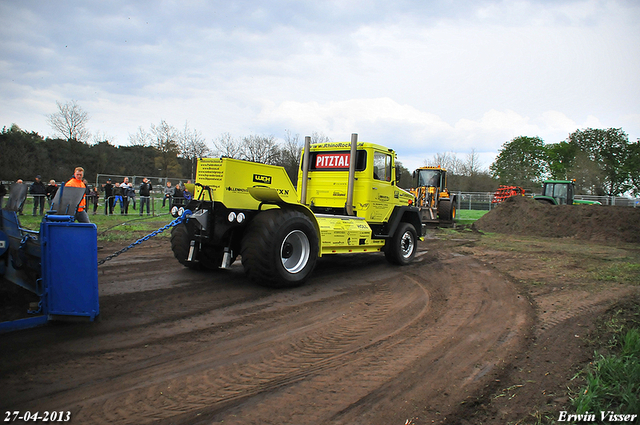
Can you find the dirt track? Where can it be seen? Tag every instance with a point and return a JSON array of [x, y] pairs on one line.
[[363, 342]]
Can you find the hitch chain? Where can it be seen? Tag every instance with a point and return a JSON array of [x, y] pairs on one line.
[[146, 238]]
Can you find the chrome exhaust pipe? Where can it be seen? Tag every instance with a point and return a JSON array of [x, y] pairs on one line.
[[352, 173], [305, 169]]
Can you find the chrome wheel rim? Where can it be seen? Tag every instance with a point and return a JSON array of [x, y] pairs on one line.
[[295, 251], [406, 244]]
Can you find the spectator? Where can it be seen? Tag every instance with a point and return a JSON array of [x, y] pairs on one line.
[[168, 194], [107, 188], [125, 186], [19, 181], [3, 192], [39, 191], [94, 196], [131, 195], [145, 193], [178, 195], [117, 197], [77, 181], [186, 194], [51, 191]]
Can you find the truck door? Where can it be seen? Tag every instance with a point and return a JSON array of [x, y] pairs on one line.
[[382, 189]]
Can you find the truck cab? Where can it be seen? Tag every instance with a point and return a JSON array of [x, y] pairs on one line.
[[376, 193]]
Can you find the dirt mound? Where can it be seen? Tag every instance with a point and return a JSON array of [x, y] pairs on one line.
[[526, 216]]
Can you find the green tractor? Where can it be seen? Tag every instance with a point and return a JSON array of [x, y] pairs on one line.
[[561, 192]]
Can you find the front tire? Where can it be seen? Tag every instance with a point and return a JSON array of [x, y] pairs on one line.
[[401, 247], [447, 210], [280, 248]]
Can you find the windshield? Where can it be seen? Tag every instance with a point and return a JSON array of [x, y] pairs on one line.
[[429, 178], [557, 191]]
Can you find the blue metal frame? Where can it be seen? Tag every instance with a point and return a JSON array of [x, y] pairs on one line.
[[67, 281]]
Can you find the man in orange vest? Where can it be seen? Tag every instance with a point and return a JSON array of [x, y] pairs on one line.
[[76, 181]]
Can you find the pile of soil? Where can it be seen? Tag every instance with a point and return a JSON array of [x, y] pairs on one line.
[[526, 216]]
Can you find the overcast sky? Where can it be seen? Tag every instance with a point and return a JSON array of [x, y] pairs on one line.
[[422, 77]]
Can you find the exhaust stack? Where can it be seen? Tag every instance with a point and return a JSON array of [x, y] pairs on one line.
[[352, 173], [305, 169]]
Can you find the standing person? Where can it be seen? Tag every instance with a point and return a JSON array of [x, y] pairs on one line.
[[94, 196], [178, 195], [145, 193], [131, 195], [125, 186], [51, 191], [77, 181], [3, 192], [21, 206], [117, 197], [107, 188], [39, 191], [168, 194]]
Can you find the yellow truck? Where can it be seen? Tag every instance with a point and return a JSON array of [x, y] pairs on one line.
[[347, 201]]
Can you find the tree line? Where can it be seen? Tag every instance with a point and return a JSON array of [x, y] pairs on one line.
[[602, 161]]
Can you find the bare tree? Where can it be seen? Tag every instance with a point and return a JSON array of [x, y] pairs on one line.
[[263, 149], [319, 137], [141, 138], [226, 146], [472, 165], [70, 122], [447, 160], [191, 145], [100, 137], [165, 140], [290, 154]]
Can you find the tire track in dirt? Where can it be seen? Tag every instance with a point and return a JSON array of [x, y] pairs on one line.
[[315, 352], [344, 348]]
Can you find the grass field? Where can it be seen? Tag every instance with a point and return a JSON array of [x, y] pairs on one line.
[[468, 216], [114, 227]]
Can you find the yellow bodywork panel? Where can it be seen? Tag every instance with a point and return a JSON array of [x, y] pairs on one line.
[[341, 234], [230, 180]]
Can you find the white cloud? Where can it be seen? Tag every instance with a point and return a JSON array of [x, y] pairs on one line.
[[422, 77]]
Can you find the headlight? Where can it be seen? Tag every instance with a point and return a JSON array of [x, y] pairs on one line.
[[240, 217], [231, 217], [180, 212], [174, 211]]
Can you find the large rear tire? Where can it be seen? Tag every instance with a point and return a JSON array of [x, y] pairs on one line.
[[401, 247], [280, 248]]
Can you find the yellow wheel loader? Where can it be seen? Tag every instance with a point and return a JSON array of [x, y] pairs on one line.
[[437, 205]]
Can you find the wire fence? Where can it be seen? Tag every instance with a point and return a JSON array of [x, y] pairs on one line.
[[156, 205], [482, 200], [159, 204]]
